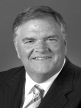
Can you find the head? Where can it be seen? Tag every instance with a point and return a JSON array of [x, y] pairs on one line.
[[40, 40]]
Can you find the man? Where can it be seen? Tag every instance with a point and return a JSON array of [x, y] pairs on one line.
[[40, 39]]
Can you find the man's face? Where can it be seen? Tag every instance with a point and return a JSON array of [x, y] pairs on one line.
[[41, 47]]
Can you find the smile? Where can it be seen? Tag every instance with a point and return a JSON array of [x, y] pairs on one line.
[[41, 58]]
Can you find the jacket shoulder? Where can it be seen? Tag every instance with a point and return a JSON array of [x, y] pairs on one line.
[[72, 66], [10, 72], [76, 68], [77, 76]]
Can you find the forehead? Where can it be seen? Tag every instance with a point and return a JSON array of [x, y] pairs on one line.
[[36, 27]]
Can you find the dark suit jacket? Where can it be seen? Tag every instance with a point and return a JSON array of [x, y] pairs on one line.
[[65, 92]]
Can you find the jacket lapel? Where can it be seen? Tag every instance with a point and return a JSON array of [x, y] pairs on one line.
[[57, 96]]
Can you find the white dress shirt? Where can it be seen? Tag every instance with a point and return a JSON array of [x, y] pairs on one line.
[[45, 85]]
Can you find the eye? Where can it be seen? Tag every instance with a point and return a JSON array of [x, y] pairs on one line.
[[29, 41], [52, 39]]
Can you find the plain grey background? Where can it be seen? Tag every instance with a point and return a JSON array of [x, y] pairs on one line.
[[9, 9]]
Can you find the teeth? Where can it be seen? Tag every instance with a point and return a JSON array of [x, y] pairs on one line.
[[40, 58]]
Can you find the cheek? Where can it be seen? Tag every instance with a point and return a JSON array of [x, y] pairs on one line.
[[55, 48], [21, 50], [24, 52], [58, 49]]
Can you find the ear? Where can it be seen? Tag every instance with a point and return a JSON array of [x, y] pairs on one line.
[[16, 47], [65, 42], [65, 47]]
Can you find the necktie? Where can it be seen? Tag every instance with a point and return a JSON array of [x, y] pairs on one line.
[[37, 96]]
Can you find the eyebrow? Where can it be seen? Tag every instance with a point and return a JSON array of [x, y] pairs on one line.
[[52, 36], [26, 38], [31, 38]]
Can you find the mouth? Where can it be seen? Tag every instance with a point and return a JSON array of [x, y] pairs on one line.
[[42, 58]]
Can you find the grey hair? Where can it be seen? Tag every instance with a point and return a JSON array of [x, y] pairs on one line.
[[37, 12]]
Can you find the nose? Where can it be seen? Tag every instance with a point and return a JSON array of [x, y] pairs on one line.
[[41, 47]]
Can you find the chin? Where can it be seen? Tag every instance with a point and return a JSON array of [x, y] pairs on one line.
[[41, 70], [44, 69]]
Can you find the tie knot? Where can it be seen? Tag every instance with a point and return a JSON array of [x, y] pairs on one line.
[[37, 95], [37, 90]]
